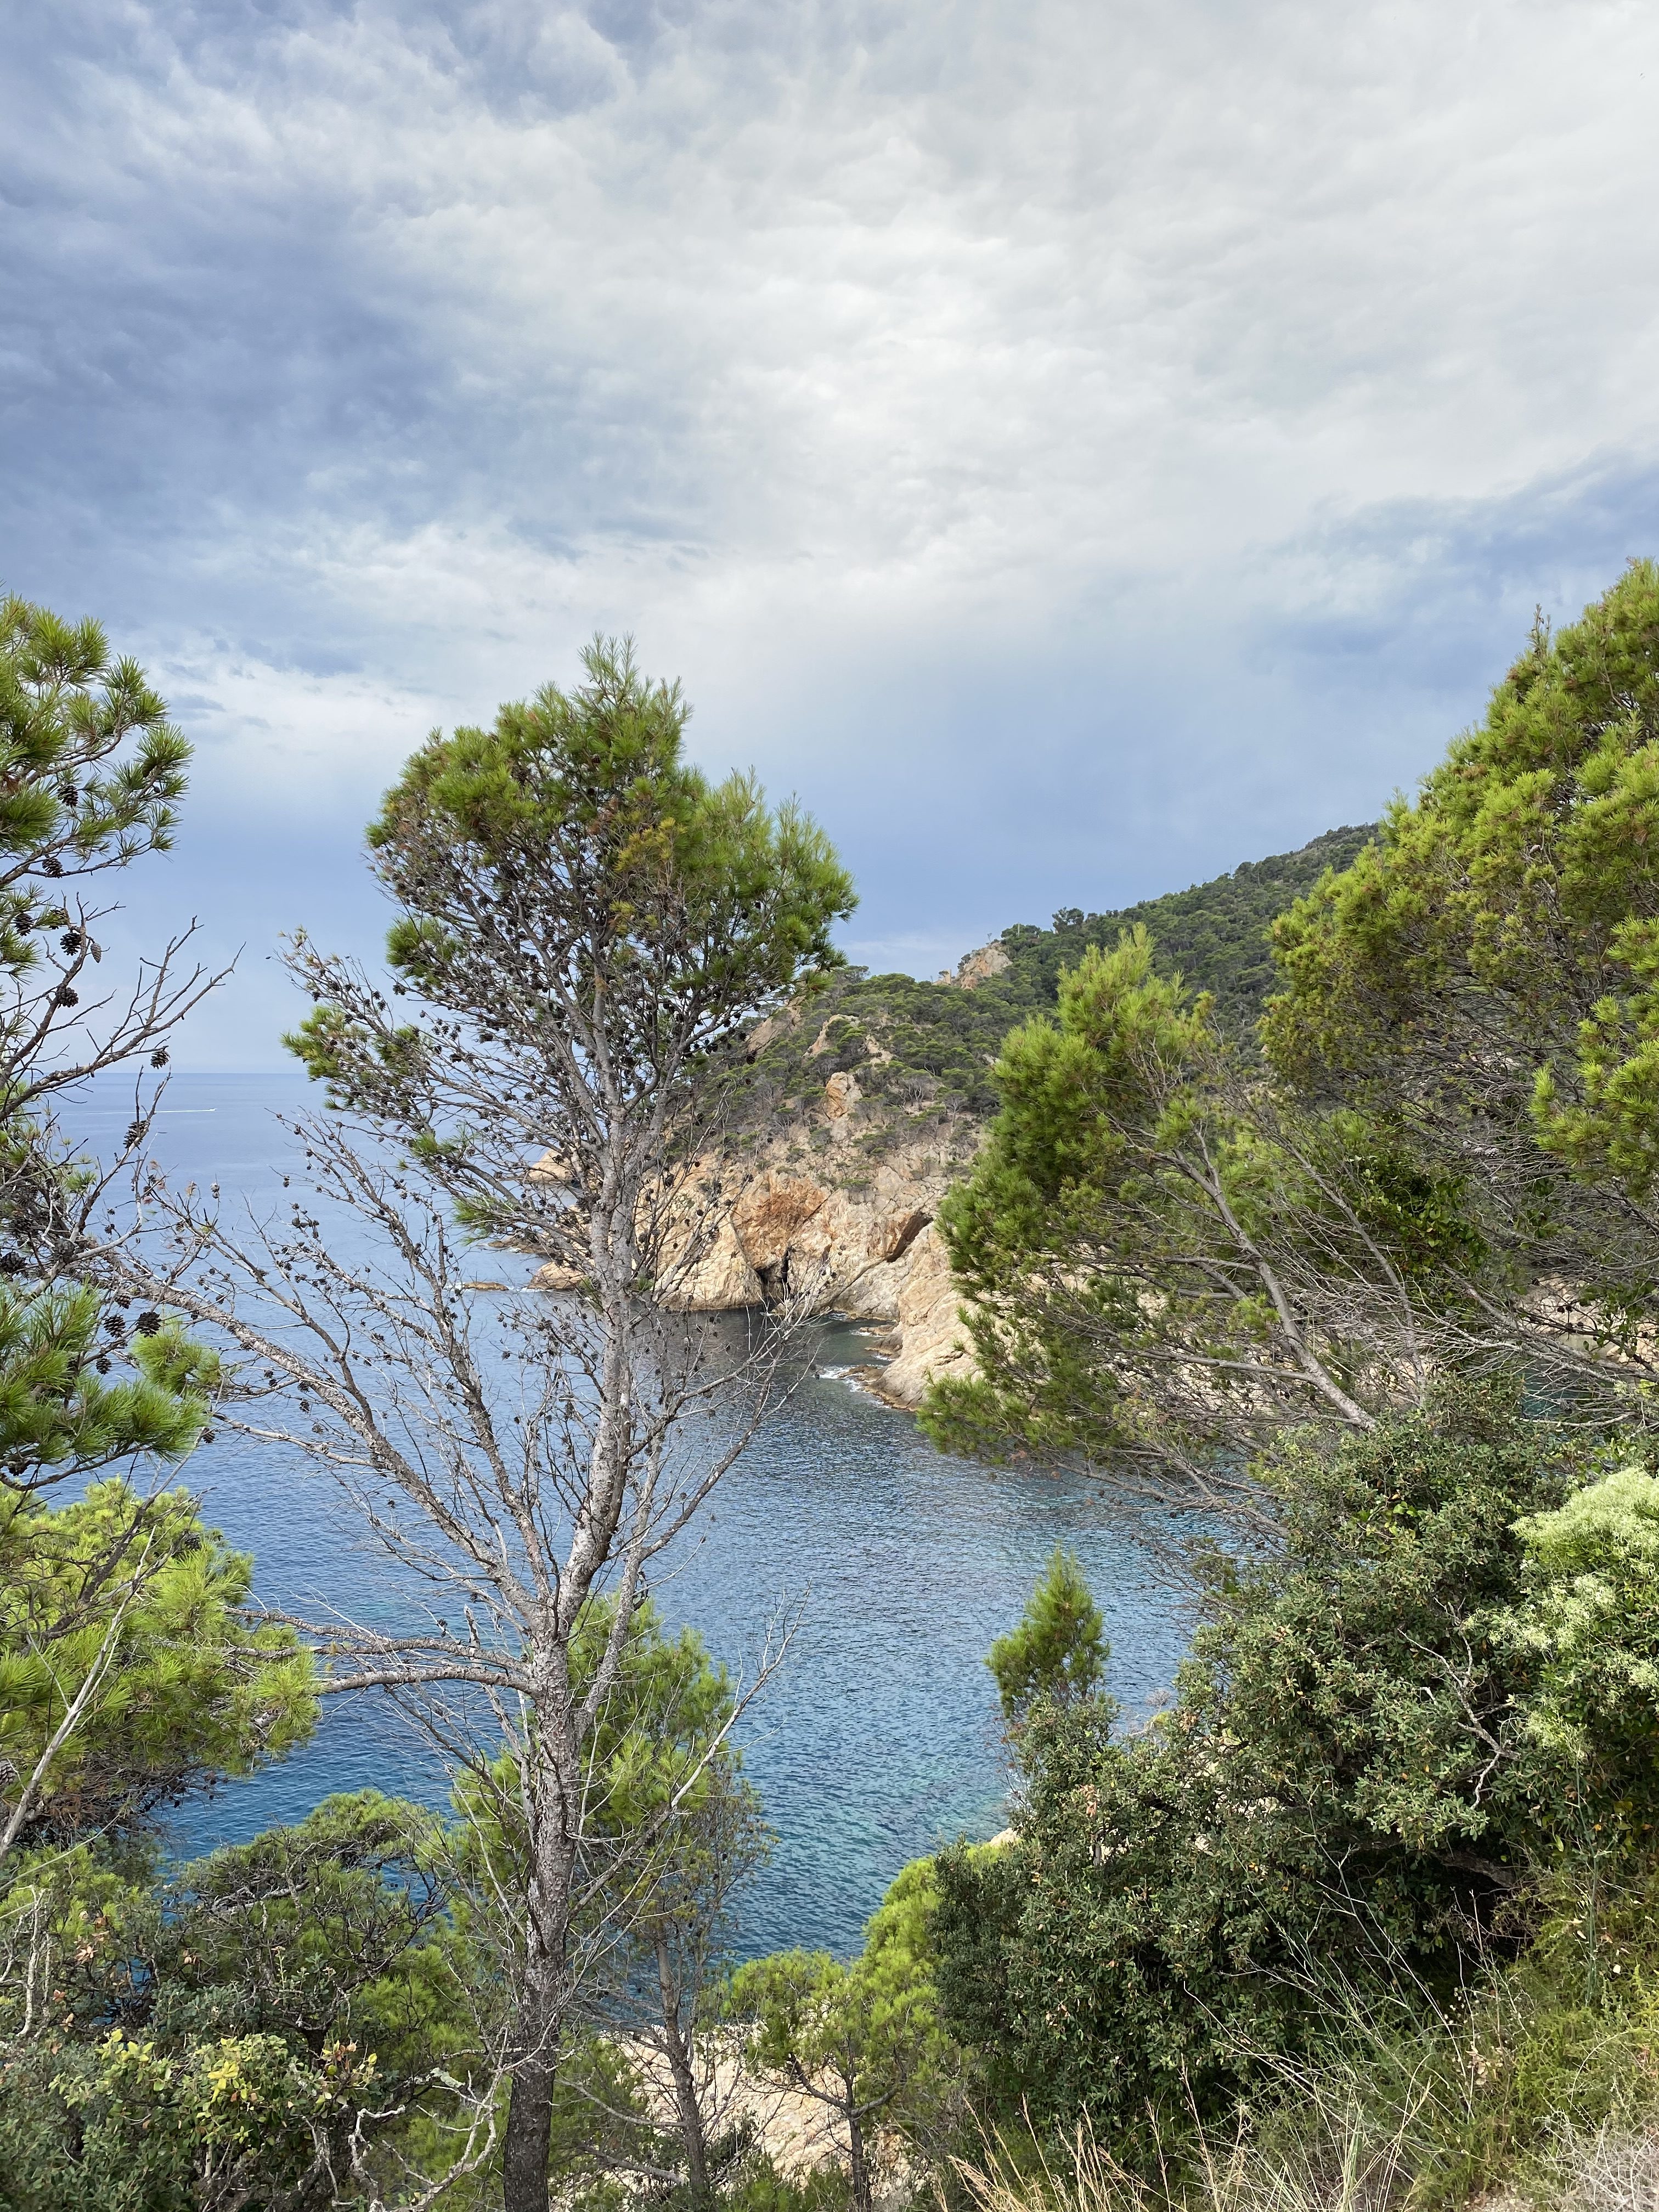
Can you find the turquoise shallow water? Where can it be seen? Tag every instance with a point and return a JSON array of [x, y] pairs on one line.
[[878, 1739]]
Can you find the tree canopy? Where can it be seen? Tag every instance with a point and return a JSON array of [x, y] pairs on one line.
[[105, 1715], [569, 881], [92, 773], [126, 1606], [1487, 976], [1381, 1734], [863, 2038], [1058, 1649]]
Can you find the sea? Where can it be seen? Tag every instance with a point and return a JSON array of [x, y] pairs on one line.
[[875, 1742]]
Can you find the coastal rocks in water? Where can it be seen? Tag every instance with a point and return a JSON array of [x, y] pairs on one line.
[[810, 1243], [789, 1237], [870, 1253], [931, 1340], [821, 1196]]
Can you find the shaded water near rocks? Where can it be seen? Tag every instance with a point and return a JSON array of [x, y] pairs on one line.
[[875, 1742]]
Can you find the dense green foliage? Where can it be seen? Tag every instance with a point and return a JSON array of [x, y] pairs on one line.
[[658, 1742], [1364, 1768], [1172, 1250], [1390, 1849], [319, 2015], [1488, 974], [93, 768], [1513, 904], [1058, 1651], [216, 2036], [863, 2038], [91, 776], [105, 1709], [1167, 1263], [134, 1592], [920, 1054], [588, 793], [924, 1055], [59, 1416], [1216, 936]]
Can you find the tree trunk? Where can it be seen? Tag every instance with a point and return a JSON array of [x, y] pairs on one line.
[[685, 2088], [860, 2164], [528, 2141]]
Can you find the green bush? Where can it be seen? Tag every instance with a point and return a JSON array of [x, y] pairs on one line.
[[1345, 1786]]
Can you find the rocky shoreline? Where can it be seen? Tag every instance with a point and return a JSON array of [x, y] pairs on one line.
[[870, 1256], [834, 1213]]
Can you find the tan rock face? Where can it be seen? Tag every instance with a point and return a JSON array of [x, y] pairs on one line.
[[873, 1255], [772, 1210], [977, 967], [891, 1236], [774, 1025], [841, 1095], [790, 1233], [712, 1273], [827, 1257], [933, 1339]]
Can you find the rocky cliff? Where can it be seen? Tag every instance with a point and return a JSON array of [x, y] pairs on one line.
[[853, 1113], [856, 1107], [872, 1254]]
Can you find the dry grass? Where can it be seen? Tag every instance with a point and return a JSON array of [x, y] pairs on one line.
[[1335, 2168], [1342, 2169], [1612, 2170]]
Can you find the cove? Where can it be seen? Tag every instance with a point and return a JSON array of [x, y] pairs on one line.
[[878, 1739]]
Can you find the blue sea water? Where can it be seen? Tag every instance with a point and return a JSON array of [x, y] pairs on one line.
[[875, 1742]]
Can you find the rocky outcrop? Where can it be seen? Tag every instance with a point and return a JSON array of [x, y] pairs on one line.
[[930, 1340], [870, 1253], [782, 1231], [823, 1196], [712, 1273], [977, 967]]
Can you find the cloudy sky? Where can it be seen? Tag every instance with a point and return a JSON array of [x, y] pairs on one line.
[[1075, 447]]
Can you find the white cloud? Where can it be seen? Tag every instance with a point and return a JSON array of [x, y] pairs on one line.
[[1068, 441]]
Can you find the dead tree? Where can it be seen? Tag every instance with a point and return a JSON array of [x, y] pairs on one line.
[[584, 927]]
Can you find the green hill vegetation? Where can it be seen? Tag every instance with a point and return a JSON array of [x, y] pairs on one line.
[[922, 1053], [1214, 936]]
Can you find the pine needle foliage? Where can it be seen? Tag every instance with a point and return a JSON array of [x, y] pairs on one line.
[[1058, 1649]]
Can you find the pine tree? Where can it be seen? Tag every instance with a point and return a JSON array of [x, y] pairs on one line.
[[1058, 1649]]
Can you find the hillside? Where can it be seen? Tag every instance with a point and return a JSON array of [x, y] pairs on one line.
[[854, 1108], [1215, 934], [909, 1062]]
